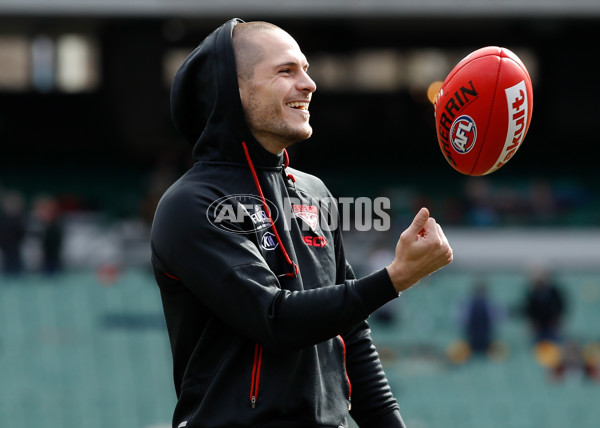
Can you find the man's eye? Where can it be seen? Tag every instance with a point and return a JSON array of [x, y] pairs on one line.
[[285, 70]]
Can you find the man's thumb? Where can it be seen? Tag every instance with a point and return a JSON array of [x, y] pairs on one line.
[[420, 220]]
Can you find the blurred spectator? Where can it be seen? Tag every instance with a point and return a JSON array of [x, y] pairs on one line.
[[479, 316], [47, 212], [544, 306], [12, 232]]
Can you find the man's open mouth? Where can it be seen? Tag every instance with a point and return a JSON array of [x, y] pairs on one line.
[[298, 105]]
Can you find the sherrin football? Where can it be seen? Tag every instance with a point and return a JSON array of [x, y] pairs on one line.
[[483, 110]]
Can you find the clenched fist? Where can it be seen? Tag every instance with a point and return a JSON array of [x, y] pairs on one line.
[[421, 250]]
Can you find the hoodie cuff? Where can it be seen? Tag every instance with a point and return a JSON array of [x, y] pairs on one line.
[[375, 290]]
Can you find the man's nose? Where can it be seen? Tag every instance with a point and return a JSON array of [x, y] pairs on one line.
[[305, 83]]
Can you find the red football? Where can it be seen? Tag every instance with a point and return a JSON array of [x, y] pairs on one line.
[[483, 110]]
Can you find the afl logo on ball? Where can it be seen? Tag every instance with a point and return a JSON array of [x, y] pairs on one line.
[[463, 134]]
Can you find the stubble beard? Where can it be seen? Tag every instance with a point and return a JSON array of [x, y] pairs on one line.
[[267, 123]]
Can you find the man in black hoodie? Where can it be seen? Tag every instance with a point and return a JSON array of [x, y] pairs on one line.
[[266, 320]]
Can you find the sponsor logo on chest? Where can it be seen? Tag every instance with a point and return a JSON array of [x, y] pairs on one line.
[[309, 214]]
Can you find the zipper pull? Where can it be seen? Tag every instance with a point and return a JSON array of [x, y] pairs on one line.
[[349, 403], [253, 401]]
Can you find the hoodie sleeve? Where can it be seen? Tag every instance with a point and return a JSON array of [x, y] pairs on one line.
[[373, 404], [228, 274]]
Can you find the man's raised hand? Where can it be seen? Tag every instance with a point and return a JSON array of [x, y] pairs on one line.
[[421, 250]]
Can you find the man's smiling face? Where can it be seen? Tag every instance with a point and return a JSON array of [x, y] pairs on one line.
[[276, 94]]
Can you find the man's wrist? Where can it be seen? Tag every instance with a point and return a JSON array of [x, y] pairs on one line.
[[396, 276]]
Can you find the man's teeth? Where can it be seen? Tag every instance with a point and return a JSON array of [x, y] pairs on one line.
[[298, 105]]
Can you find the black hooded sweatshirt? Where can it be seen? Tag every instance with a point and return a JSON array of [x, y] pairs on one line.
[[265, 318]]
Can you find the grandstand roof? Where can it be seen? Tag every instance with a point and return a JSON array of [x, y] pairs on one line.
[[329, 8]]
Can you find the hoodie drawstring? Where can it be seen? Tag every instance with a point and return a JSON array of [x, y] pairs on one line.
[[286, 162], [268, 212]]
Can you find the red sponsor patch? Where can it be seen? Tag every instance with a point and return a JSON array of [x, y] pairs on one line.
[[315, 241], [309, 214]]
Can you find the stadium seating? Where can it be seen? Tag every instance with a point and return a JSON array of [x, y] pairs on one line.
[[85, 350]]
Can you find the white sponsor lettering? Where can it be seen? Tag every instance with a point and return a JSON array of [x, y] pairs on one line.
[[518, 112]]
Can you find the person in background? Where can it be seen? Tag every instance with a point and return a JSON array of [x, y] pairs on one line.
[[12, 232], [544, 306], [48, 214], [479, 318]]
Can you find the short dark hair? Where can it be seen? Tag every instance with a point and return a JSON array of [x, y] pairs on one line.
[[247, 52]]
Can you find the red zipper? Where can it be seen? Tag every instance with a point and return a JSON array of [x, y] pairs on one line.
[[258, 350], [346, 373]]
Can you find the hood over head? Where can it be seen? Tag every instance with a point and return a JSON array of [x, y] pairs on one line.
[[206, 106]]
